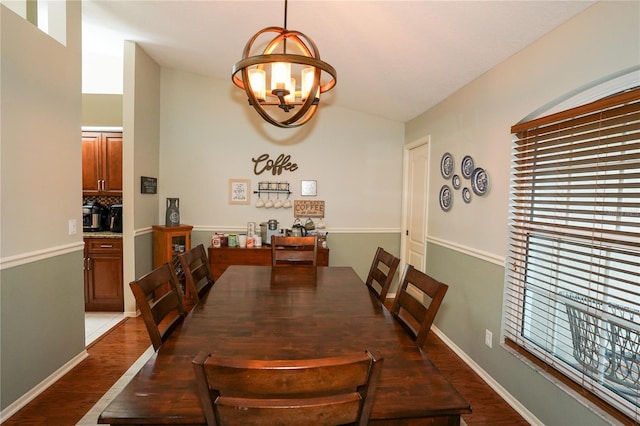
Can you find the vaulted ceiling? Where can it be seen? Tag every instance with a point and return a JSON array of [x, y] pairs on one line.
[[394, 59]]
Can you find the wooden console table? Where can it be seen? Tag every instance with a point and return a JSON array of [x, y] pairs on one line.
[[222, 257]]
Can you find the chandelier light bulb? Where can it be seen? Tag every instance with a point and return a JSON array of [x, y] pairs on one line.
[[257, 78]]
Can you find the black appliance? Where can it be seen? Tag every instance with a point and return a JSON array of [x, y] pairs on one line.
[[93, 217], [115, 218]]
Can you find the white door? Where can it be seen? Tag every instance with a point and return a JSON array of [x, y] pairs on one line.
[[415, 220]]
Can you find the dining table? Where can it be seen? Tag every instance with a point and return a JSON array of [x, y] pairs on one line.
[[251, 313]]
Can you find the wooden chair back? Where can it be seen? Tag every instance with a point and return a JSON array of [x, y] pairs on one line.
[[383, 269], [197, 272], [416, 316], [159, 299], [294, 251], [323, 391]]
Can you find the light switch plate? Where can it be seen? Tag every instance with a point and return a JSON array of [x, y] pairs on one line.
[[73, 228]]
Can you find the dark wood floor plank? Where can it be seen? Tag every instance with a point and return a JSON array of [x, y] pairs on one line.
[[67, 401], [488, 407]]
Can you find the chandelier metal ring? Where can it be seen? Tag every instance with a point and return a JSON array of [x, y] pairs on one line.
[[284, 57], [309, 57]]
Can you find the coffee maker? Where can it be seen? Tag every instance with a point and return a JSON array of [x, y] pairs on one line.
[[115, 218], [93, 217], [268, 229]]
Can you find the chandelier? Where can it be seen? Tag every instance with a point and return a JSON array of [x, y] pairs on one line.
[[283, 104]]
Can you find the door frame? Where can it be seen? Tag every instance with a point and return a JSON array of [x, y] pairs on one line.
[[425, 140]]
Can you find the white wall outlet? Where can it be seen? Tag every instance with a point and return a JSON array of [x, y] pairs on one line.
[[73, 229], [488, 338]]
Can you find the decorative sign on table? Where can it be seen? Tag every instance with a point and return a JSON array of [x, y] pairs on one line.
[[308, 208], [148, 185]]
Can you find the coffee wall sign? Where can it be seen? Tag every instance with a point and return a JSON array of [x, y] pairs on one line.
[[308, 208], [282, 163]]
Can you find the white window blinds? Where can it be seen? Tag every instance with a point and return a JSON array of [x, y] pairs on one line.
[[573, 274]]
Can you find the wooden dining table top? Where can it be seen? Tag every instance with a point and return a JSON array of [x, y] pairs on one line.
[[250, 314]]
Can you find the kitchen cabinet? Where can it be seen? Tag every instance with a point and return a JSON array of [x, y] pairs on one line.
[[102, 163], [103, 277], [220, 258]]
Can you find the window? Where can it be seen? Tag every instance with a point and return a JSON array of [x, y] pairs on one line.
[[573, 275], [50, 16]]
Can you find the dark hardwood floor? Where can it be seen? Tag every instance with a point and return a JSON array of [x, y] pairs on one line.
[[67, 401]]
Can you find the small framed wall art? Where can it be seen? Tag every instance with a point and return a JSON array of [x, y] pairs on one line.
[[309, 188], [148, 185], [239, 191]]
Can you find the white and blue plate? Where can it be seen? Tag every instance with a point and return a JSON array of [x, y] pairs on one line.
[[479, 181], [466, 195], [446, 165], [455, 181], [467, 166], [446, 198]]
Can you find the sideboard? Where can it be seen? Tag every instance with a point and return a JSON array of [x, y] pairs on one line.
[[222, 257]]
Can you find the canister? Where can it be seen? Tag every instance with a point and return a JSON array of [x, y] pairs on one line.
[[232, 240]]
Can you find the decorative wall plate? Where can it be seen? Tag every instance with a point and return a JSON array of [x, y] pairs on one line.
[[466, 195], [467, 166], [446, 165], [479, 181], [455, 181], [446, 198]]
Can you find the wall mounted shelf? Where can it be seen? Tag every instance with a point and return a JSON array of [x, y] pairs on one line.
[[273, 188]]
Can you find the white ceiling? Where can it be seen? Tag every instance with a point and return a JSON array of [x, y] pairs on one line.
[[395, 59]]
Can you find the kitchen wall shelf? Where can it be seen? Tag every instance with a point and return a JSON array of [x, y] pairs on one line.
[[273, 191], [273, 188]]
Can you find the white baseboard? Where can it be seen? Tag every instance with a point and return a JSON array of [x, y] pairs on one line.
[[504, 394], [41, 387]]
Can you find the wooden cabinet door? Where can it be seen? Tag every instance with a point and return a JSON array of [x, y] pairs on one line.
[[103, 275], [101, 163], [112, 162], [90, 162]]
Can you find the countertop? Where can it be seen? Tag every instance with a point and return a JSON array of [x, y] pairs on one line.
[[102, 234]]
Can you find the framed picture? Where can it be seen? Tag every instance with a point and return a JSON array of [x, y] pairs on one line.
[[308, 187], [239, 191], [148, 185]]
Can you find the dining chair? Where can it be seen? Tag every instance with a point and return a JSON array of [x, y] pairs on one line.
[[409, 308], [159, 299], [197, 272], [294, 251], [322, 391], [383, 269]]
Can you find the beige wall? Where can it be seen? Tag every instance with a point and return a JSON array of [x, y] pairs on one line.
[[209, 135], [101, 110], [41, 282], [140, 158]]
